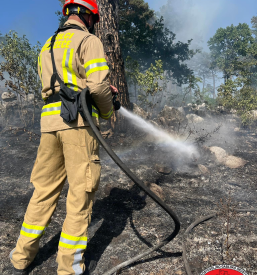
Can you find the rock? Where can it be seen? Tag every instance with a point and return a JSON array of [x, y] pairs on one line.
[[163, 169], [194, 118], [223, 158], [9, 97], [254, 114], [237, 129], [220, 154], [172, 116], [204, 170], [221, 109], [30, 97], [234, 162], [154, 123], [201, 110], [107, 189], [156, 189], [181, 109], [232, 120], [194, 183], [140, 112], [163, 121], [107, 134]]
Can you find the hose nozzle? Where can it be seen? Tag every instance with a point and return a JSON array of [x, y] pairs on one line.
[[116, 103]]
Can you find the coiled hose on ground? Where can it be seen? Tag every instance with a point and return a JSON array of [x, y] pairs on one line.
[[135, 179], [86, 95], [193, 225]]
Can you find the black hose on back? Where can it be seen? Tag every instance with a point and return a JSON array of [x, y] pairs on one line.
[[84, 95]]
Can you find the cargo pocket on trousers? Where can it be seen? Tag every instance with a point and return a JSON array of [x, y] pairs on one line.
[[93, 173]]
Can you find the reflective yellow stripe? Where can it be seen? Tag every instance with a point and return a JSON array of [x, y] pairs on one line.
[[93, 61], [30, 235], [51, 109], [96, 65], [70, 246], [69, 75], [65, 73], [72, 242], [32, 231], [97, 69], [107, 116], [40, 66], [57, 104], [72, 238], [36, 227], [51, 113], [95, 112]]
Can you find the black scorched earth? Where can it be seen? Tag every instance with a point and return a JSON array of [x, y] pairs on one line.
[[125, 222]]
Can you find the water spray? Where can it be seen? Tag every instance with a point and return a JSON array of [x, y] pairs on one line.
[[160, 136], [171, 142]]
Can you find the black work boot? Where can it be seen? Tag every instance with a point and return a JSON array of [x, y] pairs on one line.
[[20, 271]]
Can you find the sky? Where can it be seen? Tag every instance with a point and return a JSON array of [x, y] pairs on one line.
[[201, 18], [196, 19]]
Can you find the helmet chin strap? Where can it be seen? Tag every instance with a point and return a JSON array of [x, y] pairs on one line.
[[90, 29]]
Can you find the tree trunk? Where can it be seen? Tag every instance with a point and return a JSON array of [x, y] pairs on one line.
[[108, 32], [136, 92], [203, 83], [214, 86]]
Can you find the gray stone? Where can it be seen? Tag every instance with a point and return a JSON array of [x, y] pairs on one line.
[[254, 114], [163, 169], [30, 97], [9, 97], [223, 158], [234, 162], [204, 170], [154, 123], [194, 118], [181, 109], [201, 110], [156, 189], [219, 153], [139, 111], [172, 116]]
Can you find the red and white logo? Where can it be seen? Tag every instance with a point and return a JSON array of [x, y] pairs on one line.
[[224, 270]]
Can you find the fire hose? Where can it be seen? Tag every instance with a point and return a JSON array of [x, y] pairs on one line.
[[196, 223], [135, 179], [85, 95]]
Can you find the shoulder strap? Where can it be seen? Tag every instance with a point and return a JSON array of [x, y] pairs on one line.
[[55, 75]]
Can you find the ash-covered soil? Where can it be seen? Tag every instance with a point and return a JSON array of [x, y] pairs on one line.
[[125, 222]]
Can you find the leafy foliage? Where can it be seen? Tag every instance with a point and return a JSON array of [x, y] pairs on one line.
[[148, 81], [144, 38], [234, 51], [192, 91], [228, 47], [254, 26], [239, 95], [20, 62]]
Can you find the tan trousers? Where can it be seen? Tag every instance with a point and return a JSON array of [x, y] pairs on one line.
[[72, 154]]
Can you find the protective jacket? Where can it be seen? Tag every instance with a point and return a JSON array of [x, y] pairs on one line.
[[80, 62]]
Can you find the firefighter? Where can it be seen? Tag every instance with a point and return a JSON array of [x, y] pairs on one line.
[[67, 149]]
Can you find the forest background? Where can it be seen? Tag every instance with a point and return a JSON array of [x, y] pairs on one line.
[[175, 52]]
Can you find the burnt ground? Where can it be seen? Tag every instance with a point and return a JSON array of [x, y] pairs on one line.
[[125, 222]]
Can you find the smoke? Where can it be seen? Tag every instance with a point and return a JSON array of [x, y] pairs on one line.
[[191, 19], [161, 138]]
